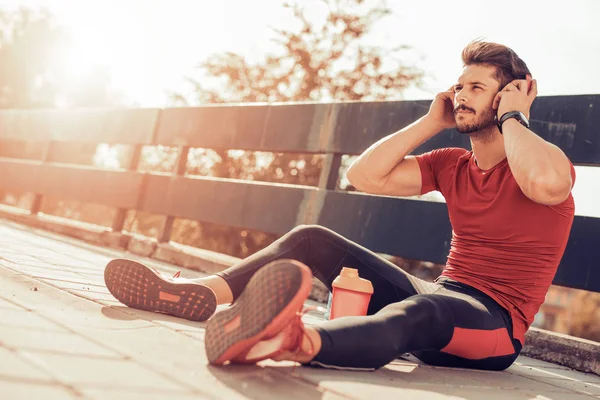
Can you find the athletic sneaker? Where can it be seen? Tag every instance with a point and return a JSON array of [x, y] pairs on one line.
[[265, 320], [142, 287]]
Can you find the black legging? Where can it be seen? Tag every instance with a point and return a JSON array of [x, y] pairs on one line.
[[446, 323]]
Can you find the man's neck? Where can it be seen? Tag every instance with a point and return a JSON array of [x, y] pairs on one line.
[[488, 147]]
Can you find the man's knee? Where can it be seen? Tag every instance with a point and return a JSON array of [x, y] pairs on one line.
[[311, 231]]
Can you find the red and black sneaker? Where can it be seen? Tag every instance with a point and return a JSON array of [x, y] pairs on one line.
[[142, 287], [264, 320]]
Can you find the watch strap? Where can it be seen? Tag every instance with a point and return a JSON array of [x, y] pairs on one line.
[[518, 115]]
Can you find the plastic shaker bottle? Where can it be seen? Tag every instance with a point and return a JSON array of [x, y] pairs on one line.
[[351, 295]]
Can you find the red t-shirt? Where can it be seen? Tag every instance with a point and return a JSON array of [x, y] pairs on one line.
[[503, 243]]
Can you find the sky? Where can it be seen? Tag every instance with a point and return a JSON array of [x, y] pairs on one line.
[[149, 47]]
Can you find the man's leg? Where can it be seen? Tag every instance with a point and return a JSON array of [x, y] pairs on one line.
[[325, 252], [264, 323], [447, 328]]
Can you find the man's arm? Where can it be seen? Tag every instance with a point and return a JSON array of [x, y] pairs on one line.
[[542, 170], [385, 167]]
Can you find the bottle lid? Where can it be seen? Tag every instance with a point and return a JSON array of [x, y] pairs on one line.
[[348, 279], [349, 272]]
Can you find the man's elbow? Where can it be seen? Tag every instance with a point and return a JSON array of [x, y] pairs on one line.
[[360, 181], [549, 190]]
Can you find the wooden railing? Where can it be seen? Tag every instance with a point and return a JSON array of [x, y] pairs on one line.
[[404, 227]]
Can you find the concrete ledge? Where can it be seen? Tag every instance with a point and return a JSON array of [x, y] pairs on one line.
[[579, 354], [569, 351], [89, 233]]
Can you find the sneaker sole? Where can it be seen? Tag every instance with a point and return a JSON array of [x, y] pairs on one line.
[[272, 297], [139, 286]]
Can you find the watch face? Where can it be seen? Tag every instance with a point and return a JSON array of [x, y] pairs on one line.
[[523, 119]]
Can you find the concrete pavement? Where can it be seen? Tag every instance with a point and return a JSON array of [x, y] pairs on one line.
[[62, 335]]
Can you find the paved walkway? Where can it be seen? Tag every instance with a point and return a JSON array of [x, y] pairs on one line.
[[62, 335]]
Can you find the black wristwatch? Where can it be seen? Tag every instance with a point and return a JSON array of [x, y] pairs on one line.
[[518, 115]]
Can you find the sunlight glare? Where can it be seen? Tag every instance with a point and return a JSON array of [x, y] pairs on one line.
[[107, 157]]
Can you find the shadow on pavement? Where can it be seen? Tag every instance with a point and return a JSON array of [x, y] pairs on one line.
[[124, 313]]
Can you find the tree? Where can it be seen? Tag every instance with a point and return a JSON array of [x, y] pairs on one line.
[[326, 59], [320, 61], [29, 42], [33, 52]]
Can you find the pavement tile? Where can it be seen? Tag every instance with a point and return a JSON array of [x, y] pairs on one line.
[[252, 382], [51, 274], [91, 294], [79, 284], [154, 345], [59, 307], [59, 342], [40, 265], [66, 261], [7, 305], [6, 250], [168, 321], [464, 377], [83, 267], [553, 373], [172, 354], [581, 387], [123, 394], [470, 393], [14, 367], [434, 381], [36, 265], [92, 274], [17, 258], [532, 362], [194, 335], [362, 385], [82, 371], [27, 319], [327, 395], [28, 390]]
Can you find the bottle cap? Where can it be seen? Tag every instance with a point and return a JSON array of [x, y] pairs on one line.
[[348, 279]]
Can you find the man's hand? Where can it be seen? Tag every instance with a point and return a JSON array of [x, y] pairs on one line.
[[441, 111], [516, 96]]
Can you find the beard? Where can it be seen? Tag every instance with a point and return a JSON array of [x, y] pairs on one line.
[[480, 121]]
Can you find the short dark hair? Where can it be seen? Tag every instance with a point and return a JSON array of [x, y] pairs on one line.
[[509, 65]]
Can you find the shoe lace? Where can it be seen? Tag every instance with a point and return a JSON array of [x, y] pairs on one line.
[[300, 333], [177, 274]]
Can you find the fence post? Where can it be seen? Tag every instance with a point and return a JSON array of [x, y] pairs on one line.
[[164, 235], [329, 174], [134, 162], [36, 204]]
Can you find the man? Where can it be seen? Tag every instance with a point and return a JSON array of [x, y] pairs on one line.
[[511, 209]]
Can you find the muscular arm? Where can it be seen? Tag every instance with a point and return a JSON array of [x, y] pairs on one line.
[[542, 170], [384, 168]]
